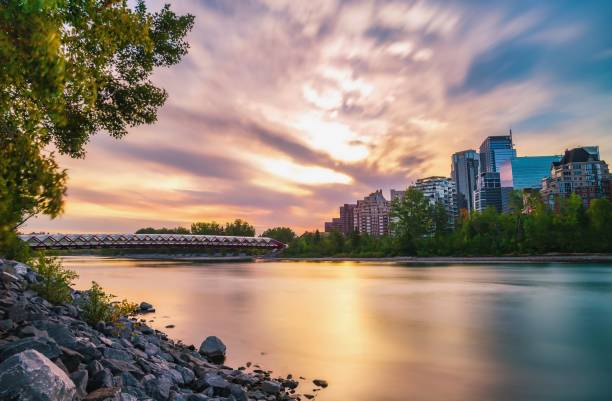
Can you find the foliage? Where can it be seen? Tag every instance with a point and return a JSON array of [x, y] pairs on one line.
[[207, 228], [282, 234], [98, 306], [163, 230], [420, 229], [237, 227], [69, 70], [30, 183], [55, 280]]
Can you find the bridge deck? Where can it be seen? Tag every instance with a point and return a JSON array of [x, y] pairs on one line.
[[89, 241]]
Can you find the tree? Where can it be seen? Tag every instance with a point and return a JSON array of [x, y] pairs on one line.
[[282, 234], [207, 228], [71, 69], [163, 230], [30, 183], [412, 213], [239, 228]]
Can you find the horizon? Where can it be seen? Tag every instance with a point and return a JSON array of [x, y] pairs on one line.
[[335, 100]]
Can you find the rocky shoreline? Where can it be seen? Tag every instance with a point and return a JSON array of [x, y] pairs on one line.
[[49, 353], [552, 258]]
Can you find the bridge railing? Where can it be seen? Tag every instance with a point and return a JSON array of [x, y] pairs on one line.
[[86, 241]]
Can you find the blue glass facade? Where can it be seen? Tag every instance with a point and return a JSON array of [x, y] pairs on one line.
[[494, 151], [526, 172]]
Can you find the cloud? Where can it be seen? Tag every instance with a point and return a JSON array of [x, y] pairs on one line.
[[285, 109]]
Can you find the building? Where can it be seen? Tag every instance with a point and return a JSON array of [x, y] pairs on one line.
[[464, 172], [526, 172], [371, 214], [396, 194], [489, 192], [494, 152], [345, 223], [333, 225], [440, 190], [579, 171]]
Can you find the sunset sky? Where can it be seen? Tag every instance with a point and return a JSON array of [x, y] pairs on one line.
[[285, 109]]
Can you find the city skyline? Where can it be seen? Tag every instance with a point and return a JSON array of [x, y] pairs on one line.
[[299, 108]]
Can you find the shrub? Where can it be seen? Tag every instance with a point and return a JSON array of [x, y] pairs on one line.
[[55, 280], [98, 306]]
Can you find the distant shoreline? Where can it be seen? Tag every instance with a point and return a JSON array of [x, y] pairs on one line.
[[589, 258], [572, 258]]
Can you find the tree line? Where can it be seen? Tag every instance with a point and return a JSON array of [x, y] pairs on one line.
[[238, 227], [422, 229]]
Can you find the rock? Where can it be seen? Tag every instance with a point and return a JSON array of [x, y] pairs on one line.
[[215, 380], [127, 397], [31, 376], [6, 324], [104, 394], [79, 378], [158, 388], [170, 326], [71, 358], [151, 349], [271, 387], [102, 379], [146, 307], [94, 367], [44, 345], [238, 392], [119, 366], [188, 375], [320, 383], [31, 331], [113, 353], [17, 313], [9, 278], [213, 349]]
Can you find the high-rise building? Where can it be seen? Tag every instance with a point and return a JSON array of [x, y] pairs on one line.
[[464, 171], [440, 190], [579, 171], [526, 172], [371, 214], [345, 223], [397, 194], [494, 151], [489, 192], [347, 218]]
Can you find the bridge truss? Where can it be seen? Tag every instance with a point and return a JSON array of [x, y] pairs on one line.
[[114, 241]]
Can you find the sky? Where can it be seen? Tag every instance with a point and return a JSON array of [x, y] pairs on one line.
[[285, 109]]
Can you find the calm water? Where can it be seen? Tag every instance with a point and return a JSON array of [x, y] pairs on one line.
[[388, 332]]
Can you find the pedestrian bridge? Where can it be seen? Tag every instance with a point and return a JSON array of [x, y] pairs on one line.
[[114, 241]]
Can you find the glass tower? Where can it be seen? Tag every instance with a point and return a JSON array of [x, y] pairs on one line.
[[464, 171], [526, 172]]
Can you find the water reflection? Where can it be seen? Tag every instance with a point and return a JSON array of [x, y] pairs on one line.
[[388, 332]]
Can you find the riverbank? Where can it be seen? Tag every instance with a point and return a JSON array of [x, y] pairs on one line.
[[49, 352], [591, 258]]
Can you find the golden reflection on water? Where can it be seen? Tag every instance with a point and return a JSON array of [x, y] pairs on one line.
[[375, 332]]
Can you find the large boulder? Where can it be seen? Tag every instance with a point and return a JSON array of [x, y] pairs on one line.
[[44, 345], [213, 349], [31, 376]]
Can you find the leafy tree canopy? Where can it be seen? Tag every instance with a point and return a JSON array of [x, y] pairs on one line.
[[71, 69], [282, 234]]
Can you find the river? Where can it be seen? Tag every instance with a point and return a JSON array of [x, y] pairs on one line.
[[386, 332]]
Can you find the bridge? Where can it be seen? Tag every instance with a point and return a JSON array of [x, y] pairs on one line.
[[115, 241]]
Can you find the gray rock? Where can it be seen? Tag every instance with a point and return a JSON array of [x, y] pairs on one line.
[[6, 324], [216, 381], [158, 388], [44, 345], [102, 379], [71, 358], [8, 277], [271, 387], [79, 378], [146, 307], [17, 313], [188, 375], [127, 397], [113, 353], [151, 349], [30, 376], [94, 367], [213, 348], [239, 392]]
